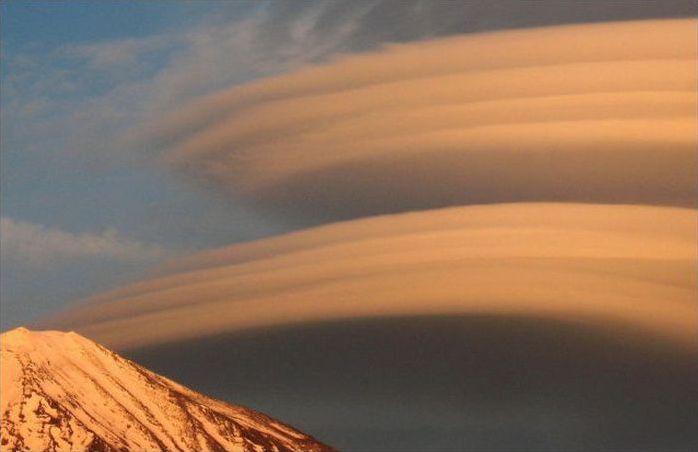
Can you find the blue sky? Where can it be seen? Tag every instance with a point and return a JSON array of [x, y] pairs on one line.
[[73, 187], [46, 22], [82, 193]]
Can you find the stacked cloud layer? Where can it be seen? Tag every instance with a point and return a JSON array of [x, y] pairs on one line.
[[592, 113], [615, 266], [598, 114]]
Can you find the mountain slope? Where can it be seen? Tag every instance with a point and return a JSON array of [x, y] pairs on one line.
[[61, 391]]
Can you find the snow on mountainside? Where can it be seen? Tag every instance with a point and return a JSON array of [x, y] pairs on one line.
[[60, 391]]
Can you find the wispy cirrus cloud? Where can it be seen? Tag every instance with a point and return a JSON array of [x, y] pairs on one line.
[[102, 91]]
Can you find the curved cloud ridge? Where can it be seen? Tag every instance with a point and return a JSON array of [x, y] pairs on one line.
[[614, 266], [593, 113]]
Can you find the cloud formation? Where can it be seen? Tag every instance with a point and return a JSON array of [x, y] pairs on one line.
[[38, 246], [104, 90], [592, 113], [597, 114], [611, 266]]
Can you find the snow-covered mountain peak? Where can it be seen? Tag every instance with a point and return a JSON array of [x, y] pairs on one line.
[[17, 337], [22, 339], [61, 391]]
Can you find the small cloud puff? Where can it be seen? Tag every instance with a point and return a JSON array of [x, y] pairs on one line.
[[37, 246]]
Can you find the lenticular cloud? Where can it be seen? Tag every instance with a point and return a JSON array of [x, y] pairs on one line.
[[591, 113], [580, 138], [614, 266]]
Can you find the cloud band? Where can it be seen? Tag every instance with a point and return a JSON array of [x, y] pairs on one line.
[[592, 113], [614, 266]]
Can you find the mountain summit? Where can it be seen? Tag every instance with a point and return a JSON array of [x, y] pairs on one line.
[[61, 391]]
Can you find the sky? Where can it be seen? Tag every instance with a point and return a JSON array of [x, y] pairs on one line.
[[252, 176], [81, 81]]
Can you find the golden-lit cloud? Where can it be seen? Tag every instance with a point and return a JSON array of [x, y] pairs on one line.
[[614, 266], [600, 119], [600, 113]]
